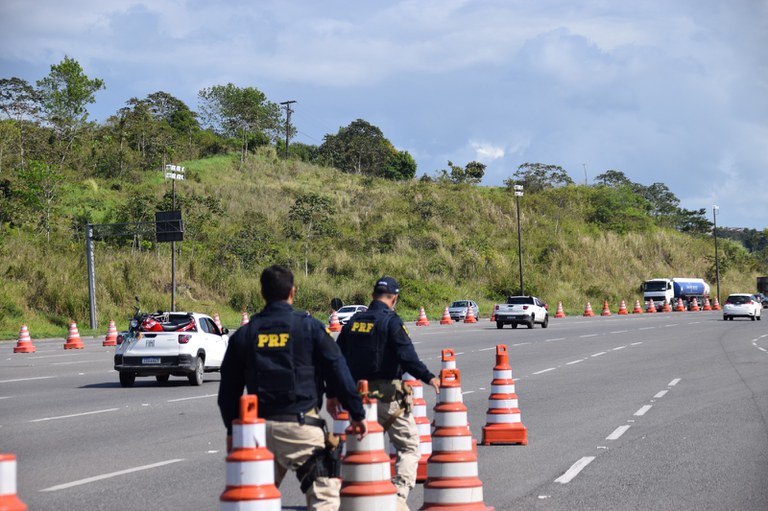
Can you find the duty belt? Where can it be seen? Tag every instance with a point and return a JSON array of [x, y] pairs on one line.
[[299, 418]]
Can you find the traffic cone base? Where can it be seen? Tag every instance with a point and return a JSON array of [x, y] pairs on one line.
[[24, 344], [9, 501]]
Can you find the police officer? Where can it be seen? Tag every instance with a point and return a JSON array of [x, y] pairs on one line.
[[378, 349], [286, 358]]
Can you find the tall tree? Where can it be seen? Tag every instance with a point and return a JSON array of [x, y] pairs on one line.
[[20, 103], [472, 173], [539, 176], [311, 217], [39, 193]]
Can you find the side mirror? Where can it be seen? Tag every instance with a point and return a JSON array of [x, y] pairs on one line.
[[225, 331]]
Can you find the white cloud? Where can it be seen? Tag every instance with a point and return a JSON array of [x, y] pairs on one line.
[[486, 151]]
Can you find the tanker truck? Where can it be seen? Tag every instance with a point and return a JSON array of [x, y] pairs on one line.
[[672, 290]]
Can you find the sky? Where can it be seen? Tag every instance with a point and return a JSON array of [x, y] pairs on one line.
[[664, 91]]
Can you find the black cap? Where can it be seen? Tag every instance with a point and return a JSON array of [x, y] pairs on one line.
[[386, 285]]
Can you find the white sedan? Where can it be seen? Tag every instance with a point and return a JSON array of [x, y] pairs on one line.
[[346, 312], [742, 305]]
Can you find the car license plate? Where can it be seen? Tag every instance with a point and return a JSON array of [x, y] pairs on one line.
[[150, 360]]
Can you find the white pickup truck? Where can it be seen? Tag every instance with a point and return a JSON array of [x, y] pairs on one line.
[[173, 343], [521, 310]]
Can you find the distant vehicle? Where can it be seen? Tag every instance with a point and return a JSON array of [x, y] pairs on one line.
[[762, 299], [171, 344], [742, 305], [521, 310], [458, 309], [347, 312], [673, 290]]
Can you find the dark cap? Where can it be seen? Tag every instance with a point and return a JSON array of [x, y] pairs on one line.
[[386, 285]]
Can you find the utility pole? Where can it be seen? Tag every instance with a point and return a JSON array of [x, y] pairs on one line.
[[715, 211], [585, 173], [288, 112]]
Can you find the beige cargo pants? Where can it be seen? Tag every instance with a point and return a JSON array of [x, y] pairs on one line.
[[292, 444], [404, 435]]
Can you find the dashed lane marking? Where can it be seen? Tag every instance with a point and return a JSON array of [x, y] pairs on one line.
[[598, 354], [521, 344], [487, 349], [575, 361], [575, 469], [588, 335], [647, 328], [555, 339], [74, 362], [545, 370], [75, 415], [191, 397], [643, 410], [28, 379], [660, 394], [110, 475], [620, 331], [673, 382], [618, 432], [636, 343], [619, 348]]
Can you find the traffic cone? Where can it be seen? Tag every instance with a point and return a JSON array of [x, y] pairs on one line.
[[453, 481], [493, 313], [24, 344], [244, 320], [680, 307], [470, 317], [695, 305], [9, 501], [422, 424], [446, 319], [448, 358], [340, 425], [623, 309], [606, 311], [666, 307], [422, 321], [637, 309], [559, 313], [111, 338], [651, 307], [73, 338], [588, 311], [365, 473], [250, 465], [503, 424], [335, 325], [707, 305], [217, 320], [716, 306]]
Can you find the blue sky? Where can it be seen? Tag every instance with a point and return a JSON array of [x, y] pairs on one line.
[[664, 91]]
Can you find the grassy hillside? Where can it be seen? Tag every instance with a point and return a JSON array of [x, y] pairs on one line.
[[441, 241]]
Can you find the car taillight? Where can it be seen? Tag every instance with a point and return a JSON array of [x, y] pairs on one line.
[[120, 339], [184, 338], [525, 307], [497, 307]]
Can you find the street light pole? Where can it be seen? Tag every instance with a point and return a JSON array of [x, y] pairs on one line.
[[715, 211], [518, 194]]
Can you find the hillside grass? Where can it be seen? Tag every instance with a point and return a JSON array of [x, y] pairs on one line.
[[442, 242]]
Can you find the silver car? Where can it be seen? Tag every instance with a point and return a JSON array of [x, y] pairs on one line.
[[458, 309], [742, 305]]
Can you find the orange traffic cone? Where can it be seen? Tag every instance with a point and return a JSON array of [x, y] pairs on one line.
[[9, 501], [695, 305], [110, 339], [680, 307], [493, 313], [707, 305], [335, 325], [503, 424], [365, 471], [24, 344], [446, 319], [73, 338], [453, 481], [623, 309], [716, 306], [651, 307], [606, 311], [665, 307], [422, 321], [637, 309], [588, 311], [217, 320], [422, 424], [244, 320], [559, 313], [250, 465], [448, 358], [470, 317], [340, 424]]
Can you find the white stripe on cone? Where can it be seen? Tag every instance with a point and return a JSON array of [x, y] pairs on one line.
[[502, 418], [251, 473]]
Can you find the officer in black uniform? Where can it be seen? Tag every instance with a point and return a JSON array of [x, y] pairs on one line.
[[378, 349], [287, 358]]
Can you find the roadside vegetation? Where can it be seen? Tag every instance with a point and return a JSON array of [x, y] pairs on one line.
[[340, 214]]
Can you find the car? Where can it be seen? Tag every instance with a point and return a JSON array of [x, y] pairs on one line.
[[345, 313], [742, 305], [184, 344], [762, 299], [458, 309], [521, 310]]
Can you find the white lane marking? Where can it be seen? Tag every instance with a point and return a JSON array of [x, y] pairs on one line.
[[618, 432], [110, 475], [74, 362], [575, 469], [467, 392], [545, 370], [643, 410], [647, 328], [636, 343], [28, 379], [673, 382], [575, 361], [694, 322], [598, 354], [619, 348], [661, 394], [588, 335], [75, 415], [521, 344], [487, 349], [460, 353], [761, 348], [6, 397], [38, 357], [192, 397], [620, 331], [555, 339]]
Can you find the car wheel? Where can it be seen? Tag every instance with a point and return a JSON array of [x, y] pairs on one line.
[[545, 324], [162, 378], [499, 325], [196, 378], [514, 325], [127, 379], [530, 323]]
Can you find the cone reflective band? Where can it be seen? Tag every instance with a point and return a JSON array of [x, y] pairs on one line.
[[340, 425], [110, 339], [24, 344], [250, 466], [422, 425], [448, 359], [244, 320], [9, 501], [73, 338], [365, 473], [502, 419]]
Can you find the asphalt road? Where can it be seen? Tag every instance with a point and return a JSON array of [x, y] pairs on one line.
[[664, 411]]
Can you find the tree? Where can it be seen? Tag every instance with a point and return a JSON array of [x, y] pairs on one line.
[[311, 217], [20, 103], [39, 192], [240, 112], [65, 94], [399, 167], [472, 173], [539, 176], [359, 148], [613, 179]]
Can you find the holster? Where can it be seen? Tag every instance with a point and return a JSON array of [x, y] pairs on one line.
[[322, 463]]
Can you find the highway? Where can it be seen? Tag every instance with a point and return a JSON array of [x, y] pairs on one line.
[[651, 411]]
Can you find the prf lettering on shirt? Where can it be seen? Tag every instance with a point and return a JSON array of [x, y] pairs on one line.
[[273, 340], [363, 328]]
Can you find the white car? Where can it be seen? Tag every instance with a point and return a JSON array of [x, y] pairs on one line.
[[184, 344], [458, 309], [742, 305], [521, 310], [346, 312]]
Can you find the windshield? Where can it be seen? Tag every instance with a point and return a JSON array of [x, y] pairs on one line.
[[462, 303], [739, 299], [520, 300], [656, 285]]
